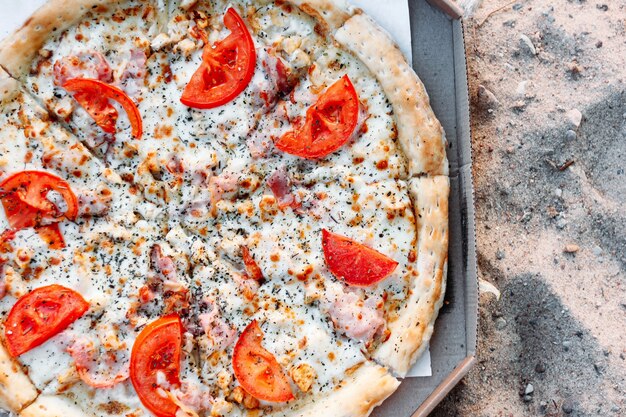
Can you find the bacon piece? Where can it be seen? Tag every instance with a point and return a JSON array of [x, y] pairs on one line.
[[216, 328], [220, 185], [135, 68], [92, 366], [259, 144], [94, 202], [252, 268], [164, 264], [175, 292], [133, 73], [280, 184], [284, 81], [357, 319], [249, 287], [192, 396], [85, 64]]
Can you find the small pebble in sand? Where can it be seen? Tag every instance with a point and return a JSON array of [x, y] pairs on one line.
[[500, 323], [571, 248], [599, 44], [500, 254], [570, 135], [529, 389], [558, 192], [520, 91], [574, 69], [561, 223], [528, 398], [597, 250], [519, 105], [540, 368], [527, 44], [574, 116], [486, 99], [568, 406], [566, 345]]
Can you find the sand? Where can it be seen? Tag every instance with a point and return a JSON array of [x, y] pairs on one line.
[[548, 94]]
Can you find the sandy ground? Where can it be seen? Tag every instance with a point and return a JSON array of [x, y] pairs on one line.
[[548, 92]]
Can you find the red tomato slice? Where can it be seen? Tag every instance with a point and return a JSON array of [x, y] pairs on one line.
[[328, 125], [157, 349], [353, 262], [99, 108], [93, 96], [252, 268], [25, 204], [41, 314], [257, 370], [226, 70]]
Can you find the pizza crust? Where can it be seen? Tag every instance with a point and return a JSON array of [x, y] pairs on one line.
[[19, 49], [52, 406], [357, 396], [420, 134], [16, 389], [414, 327], [331, 13]]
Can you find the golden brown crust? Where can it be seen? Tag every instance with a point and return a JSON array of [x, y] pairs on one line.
[[331, 13], [414, 327], [16, 389], [18, 50], [52, 406], [419, 132], [357, 395]]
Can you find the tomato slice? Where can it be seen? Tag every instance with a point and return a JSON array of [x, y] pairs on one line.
[[257, 370], [28, 190], [93, 96], [226, 70], [252, 268], [328, 125], [25, 204], [356, 264], [41, 314], [157, 349]]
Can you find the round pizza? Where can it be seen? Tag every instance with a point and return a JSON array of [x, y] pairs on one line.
[[214, 208]]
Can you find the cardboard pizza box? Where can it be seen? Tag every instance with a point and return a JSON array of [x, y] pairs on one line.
[[439, 59], [438, 53]]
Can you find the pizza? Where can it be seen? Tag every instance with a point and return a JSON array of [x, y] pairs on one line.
[[224, 208]]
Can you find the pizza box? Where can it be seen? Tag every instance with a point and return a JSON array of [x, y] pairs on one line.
[[438, 51]]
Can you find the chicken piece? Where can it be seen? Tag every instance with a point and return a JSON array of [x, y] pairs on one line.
[[303, 375]]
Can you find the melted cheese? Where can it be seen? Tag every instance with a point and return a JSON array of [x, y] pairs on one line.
[[194, 186]]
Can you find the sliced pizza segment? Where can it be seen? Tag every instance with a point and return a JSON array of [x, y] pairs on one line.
[[317, 133], [263, 347], [91, 73], [99, 361], [286, 242]]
